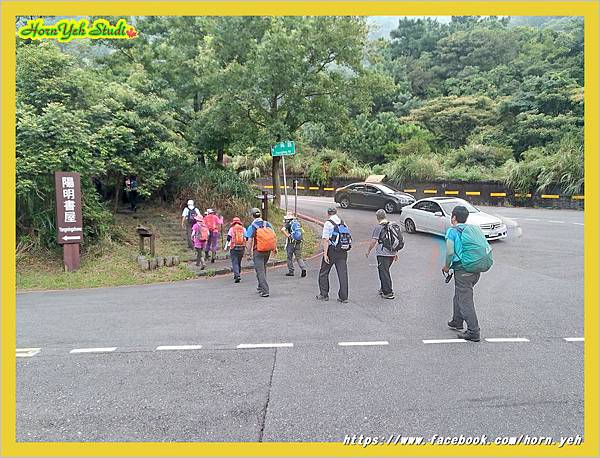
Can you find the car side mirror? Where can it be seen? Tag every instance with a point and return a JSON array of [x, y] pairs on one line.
[[438, 214]]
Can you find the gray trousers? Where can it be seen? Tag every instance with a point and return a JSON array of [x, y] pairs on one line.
[[236, 256], [383, 268], [463, 305], [189, 235], [294, 249], [260, 266], [339, 259]]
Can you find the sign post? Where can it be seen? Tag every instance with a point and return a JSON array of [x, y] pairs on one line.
[[284, 149], [69, 227], [295, 197]]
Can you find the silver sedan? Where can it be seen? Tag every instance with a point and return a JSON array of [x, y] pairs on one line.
[[433, 215]]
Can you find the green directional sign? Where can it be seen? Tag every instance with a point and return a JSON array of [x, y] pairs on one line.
[[283, 149]]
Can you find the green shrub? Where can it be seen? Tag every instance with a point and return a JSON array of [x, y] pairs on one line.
[[414, 168]]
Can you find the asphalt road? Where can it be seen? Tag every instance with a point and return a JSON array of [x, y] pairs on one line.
[[311, 388]]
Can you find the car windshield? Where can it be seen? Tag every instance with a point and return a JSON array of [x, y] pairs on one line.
[[449, 206]]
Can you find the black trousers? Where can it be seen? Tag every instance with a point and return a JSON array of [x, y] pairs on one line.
[[339, 259], [383, 267]]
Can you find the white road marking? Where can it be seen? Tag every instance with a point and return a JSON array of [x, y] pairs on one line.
[[27, 352], [574, 339], [507, 339], [559, 222], [266, 345], [578, 224], [93, 350], [531, 219], [352, 344], [436, 341], [179, 347]]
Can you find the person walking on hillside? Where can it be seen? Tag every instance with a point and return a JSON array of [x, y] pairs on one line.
[[200, 239], [292, 229], [336, 241], [213, 222], [387, 240], [261, 242], [468, 253], [236, 241], [188, 220]]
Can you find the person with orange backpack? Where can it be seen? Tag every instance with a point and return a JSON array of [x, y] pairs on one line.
[[236, 240], [199, 237], [261, 242]]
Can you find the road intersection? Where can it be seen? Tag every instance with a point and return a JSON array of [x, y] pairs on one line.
[[207, 360]]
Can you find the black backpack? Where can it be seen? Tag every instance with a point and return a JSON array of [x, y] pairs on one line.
[[391, 237], [191, 217]]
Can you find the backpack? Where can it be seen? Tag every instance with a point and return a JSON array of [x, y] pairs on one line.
[[202, 233], [265, 238], [296, 231], [341, 238], [239, 236], [190, 216], [476, 251], [391, 237]]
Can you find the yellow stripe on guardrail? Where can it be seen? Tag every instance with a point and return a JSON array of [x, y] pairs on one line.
[[313, 188], [498, 194], [301, 187], [451, 193], [523, 195], [430, 191], [550, 196], [269, 187], [328, 189], [578, 197], [410, 190], [473, 193]]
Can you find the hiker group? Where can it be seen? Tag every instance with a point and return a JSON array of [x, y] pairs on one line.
[[468, 254]]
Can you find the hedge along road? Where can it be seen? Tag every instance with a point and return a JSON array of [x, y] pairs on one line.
[[234, 366]]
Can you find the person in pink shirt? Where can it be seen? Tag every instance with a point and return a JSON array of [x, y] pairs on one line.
[[199, 236], [213, 223]]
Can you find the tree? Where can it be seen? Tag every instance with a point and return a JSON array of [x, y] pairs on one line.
[[298, 72]]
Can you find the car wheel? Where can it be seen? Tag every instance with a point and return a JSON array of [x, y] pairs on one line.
[[409, 225], [344, 202], [389, 207]]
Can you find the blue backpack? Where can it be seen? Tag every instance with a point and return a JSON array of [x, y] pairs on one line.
[[341, 238], [476, 251], [296, 231]]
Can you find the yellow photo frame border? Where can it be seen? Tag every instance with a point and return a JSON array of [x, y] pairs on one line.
[[10, 9]]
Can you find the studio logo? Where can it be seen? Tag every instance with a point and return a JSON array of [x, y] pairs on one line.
[[66, 30]]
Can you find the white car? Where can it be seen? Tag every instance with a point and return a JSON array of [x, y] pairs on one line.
[[433, 215]]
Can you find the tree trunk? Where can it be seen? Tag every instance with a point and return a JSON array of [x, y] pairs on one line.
[[220, 154], [117, 193], [276, 186]]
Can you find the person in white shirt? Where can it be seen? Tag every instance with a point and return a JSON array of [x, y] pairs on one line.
[[189, 216], [332, 257]]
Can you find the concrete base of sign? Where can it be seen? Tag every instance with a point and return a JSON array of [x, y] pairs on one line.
[[71, 256]]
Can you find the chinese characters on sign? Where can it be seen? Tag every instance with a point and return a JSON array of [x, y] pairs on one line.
[[68, 207]]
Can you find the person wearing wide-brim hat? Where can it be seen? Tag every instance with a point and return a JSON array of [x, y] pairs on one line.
[[292, 229], [199, 239]]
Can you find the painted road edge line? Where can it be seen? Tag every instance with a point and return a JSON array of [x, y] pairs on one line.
[[559, 222], [507, 339], [353, 344], [178, 347], [27, 352], [436, 341], [93, 350], [574, 339], [266, 345]]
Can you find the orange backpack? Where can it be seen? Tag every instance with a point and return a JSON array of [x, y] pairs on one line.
[[265, 238], [238, 238]]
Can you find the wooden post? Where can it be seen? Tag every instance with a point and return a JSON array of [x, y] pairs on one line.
[[152, 245], [141, 244], [71, 256]]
